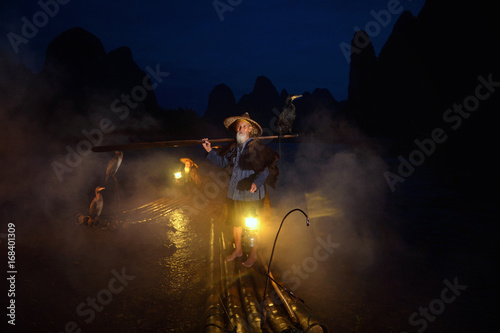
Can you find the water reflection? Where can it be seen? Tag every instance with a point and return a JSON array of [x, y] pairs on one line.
[[158, 242]]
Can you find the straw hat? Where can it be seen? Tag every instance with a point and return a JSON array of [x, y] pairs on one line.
[[231, 122], [185, 159]]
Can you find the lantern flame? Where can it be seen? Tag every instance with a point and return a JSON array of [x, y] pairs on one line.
[[251, 223]]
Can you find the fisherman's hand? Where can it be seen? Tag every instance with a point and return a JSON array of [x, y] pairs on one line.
[[253, 188], [206, 144]]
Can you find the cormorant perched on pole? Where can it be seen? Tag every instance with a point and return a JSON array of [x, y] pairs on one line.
[[287, 116], [96, 205], [111, 170], [286, 119], [113, 166]]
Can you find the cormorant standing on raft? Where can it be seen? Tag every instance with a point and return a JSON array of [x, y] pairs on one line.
[[96, 205], [287, 116]]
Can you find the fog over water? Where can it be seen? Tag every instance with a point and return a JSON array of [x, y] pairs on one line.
[[354, 259], [342, 190]]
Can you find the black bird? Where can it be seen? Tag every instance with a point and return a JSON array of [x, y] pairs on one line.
[[287, 116], [113, 166], [96, 204]]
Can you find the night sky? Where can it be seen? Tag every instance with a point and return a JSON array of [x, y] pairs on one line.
[[296, 44]]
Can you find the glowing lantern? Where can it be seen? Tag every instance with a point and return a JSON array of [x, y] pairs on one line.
[[251, 223], [250, 231]]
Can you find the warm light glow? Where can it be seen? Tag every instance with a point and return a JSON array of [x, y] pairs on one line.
[[251, 223], [177, 175], [320, 205]]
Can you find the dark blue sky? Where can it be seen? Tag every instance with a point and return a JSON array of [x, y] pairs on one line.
[[296, 44]]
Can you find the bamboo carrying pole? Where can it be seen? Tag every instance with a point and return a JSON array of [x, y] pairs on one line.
[[176, 143]]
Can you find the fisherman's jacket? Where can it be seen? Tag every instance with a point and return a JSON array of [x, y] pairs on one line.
[[252, 162]]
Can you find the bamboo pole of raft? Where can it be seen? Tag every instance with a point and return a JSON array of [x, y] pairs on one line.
[[176, 143]]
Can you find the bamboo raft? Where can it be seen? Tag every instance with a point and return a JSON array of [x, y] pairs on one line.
[[236, 302]]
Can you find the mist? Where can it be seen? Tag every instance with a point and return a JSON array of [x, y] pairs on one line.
[[340, 187], [49, 176], [52, 174], [342, 263]]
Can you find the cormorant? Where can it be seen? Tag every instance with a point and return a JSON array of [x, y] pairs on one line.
[[287, 116], [96, 204], [113, 166]]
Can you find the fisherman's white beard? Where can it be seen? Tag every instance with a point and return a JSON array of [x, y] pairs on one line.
[[241, 138], [187, 170]]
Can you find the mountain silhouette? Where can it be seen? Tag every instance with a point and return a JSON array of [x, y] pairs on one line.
[[428, 64], [260, 102], [80, 84], [221, 104]]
